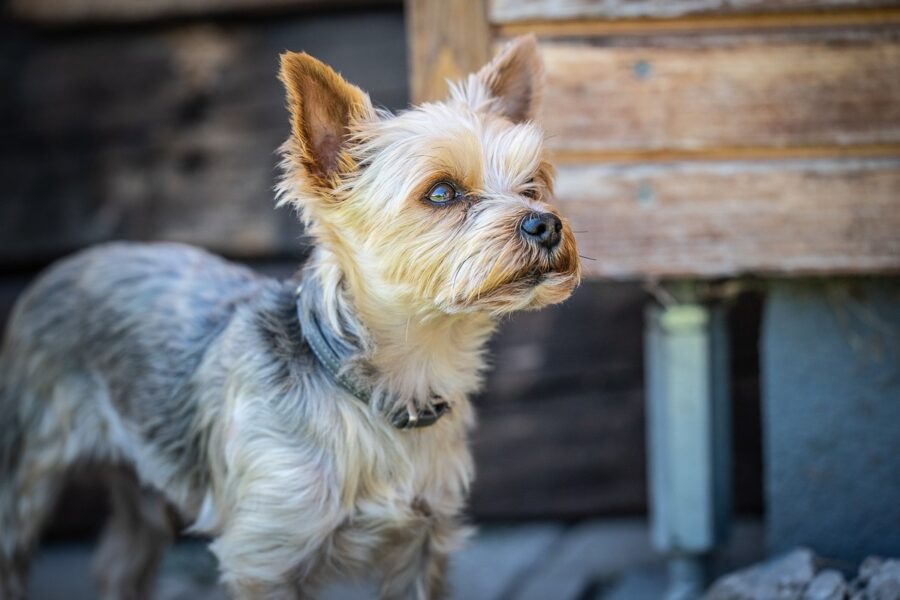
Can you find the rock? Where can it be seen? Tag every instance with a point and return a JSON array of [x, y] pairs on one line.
[[827, 585], [884, 582], [869, 567], [793, 577], [782, 578]]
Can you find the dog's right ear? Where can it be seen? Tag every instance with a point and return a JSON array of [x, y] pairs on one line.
[[515, 77], [323, 108]]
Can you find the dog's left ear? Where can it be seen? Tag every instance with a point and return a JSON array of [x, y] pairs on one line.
[[323, 109], [516, 78]]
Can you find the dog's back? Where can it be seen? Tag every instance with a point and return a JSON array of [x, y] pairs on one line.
[[99, 352]]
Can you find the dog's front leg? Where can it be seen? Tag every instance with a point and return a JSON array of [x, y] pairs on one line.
[[260, 561], [416, 569], [284, 505], [423, 579]]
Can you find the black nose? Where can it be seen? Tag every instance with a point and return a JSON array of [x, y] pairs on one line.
[[543, 228]]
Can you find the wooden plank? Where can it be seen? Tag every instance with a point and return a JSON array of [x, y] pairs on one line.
[[447, 40], [560, 423], [167, 134], [689, 94], [567, 156], [69, 12], [701, 23], [506, 11], [561, 456], [728, 219]]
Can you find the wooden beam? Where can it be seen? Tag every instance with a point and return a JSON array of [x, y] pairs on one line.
[[601, 156], [734, 218], [512, 11], [69, 12], [447, 40], [583, 27], [719, 96]]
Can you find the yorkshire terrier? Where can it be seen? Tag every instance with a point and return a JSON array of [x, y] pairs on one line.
[[314, 428]]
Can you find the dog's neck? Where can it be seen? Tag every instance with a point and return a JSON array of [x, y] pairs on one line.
[[405, 353]]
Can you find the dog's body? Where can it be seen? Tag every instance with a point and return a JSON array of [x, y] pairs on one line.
[[195, 372], [198, 386]]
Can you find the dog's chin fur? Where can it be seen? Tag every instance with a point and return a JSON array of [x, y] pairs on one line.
[[190, 379], [529, 292]]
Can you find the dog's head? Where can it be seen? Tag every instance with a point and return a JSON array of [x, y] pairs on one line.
[[447, 206]]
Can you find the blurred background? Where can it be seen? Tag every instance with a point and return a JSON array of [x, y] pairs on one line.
[[734, 162]]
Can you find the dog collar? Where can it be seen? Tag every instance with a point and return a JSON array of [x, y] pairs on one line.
[[330, 360]]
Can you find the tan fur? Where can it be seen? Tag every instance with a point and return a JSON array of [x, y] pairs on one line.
[[322, 105], [193, 375]]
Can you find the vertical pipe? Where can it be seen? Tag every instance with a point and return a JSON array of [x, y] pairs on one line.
[[688, 438]]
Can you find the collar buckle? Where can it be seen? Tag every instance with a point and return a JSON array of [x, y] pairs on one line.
[[407, 419]]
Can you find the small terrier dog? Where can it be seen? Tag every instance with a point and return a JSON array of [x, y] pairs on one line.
[[314, 428]]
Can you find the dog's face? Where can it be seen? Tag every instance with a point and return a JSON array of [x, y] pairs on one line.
[[447, 204]]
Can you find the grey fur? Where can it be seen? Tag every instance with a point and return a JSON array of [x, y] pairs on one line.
[[141, 317], [135, 321], [159, 334]]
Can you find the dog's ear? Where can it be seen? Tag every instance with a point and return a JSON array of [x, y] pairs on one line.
[[515, 78], [323, 108]]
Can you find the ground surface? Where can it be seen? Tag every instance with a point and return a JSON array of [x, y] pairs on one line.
[[593, 560]]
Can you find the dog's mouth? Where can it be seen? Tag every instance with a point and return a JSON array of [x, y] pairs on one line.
[[532, 277], [545, 270], [524, 279]]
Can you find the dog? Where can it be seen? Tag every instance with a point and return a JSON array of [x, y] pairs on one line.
[[314, 428]]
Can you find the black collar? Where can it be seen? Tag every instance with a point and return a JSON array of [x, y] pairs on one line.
[[331, 360]]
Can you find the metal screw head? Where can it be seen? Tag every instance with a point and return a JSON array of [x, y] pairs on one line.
[[641, 69], [644, 194]]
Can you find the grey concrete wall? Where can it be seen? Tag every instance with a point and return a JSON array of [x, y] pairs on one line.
[[831, 416]]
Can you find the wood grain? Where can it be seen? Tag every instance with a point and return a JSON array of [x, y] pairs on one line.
[[697, 95], [68, 12], [167, 133], [564, 156], [583, 27], [506, 11], [729, 219], [447, 40]]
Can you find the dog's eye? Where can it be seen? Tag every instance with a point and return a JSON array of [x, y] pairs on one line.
[[530, 191], [442, 193]]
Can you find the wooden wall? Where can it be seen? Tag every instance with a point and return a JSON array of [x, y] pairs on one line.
[[161, 126], [166, 129], [709, 138]]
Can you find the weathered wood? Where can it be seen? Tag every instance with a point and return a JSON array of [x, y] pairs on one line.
[[447, 40], [505, 11], [565, 456], [703, 23], [166, 134], [723, 93], [66, 12], [727, 219], [561, 420]]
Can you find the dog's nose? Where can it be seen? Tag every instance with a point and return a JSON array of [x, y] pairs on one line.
[[543, 228]]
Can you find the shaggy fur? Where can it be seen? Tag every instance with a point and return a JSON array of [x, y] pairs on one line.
[[189, 378]]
